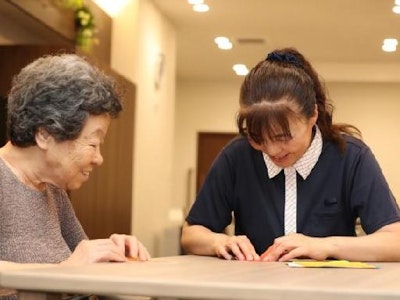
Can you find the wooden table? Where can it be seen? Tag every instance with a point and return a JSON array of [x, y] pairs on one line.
[[208, 278]]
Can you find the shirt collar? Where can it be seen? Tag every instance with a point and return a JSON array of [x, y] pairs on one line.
[[305, 164]]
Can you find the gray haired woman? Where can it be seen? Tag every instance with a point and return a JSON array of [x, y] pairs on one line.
[[59, 111]]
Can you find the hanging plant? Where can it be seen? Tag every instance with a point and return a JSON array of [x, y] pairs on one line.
[[85, 28]]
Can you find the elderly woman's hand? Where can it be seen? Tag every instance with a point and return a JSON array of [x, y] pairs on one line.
[[131, 246], [116, 248]]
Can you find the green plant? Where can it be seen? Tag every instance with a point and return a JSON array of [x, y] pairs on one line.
[[85, 28]]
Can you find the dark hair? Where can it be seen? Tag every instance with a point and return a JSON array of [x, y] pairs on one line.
[[58, 93], [285, 76]]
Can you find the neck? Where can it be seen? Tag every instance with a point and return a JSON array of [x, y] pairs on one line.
[[22, 162]]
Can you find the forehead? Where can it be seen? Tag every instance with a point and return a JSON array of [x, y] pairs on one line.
[[272, 119], [96, 126]]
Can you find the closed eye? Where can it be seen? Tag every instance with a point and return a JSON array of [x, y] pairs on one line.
[[282, 138]]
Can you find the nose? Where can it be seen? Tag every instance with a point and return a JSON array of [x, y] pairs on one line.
[[98, 158], [273, 148]]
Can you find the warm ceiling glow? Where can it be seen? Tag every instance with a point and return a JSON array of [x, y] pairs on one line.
[[111, 7]]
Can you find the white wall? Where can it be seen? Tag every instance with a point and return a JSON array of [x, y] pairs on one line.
[[140, 35], [374, 108]]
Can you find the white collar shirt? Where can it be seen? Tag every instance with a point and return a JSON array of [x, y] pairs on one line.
[[305, 164]]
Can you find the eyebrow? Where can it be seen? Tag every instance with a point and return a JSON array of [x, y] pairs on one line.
[[96, 133], [283, 135]]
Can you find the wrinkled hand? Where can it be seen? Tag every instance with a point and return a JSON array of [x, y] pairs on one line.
[[235, 247], [116, 248], [131, 246], [296, 245]]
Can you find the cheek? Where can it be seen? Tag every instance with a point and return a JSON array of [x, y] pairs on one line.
[[299, 147], [77, 165], [255, 146]]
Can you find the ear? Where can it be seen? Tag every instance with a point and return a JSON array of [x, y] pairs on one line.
[[43, 138], [254, 144], [314, 118]]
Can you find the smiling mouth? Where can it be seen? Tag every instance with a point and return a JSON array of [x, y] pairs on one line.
[[279, 158], [281, 161]]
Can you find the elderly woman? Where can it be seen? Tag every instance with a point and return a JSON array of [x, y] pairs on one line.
[[59, 111]]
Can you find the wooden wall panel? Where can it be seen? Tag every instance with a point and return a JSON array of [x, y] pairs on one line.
[[3, 117], [61, 21], [47, 23], [12, 59]]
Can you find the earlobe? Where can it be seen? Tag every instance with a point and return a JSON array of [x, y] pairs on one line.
[[42, 138], [315, 117]]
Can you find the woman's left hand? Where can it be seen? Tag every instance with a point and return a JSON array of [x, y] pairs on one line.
[[297, 245], [131, 246]]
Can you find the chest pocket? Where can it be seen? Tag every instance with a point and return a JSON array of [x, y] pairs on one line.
[[328, 219]]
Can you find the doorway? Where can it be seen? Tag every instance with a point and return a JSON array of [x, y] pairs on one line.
[[209, 144]]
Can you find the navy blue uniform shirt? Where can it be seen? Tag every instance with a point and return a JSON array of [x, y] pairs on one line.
[[340, 188]]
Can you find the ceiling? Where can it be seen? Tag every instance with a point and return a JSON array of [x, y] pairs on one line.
[[341, 37]]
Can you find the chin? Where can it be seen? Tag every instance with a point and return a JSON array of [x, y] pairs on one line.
[[74, 186], [283, 164]]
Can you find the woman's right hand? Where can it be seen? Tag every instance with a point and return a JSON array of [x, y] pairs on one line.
[[199, 240], [93, 251], [234, 247]]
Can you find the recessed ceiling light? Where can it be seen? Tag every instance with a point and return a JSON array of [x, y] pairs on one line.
[[223, 43], [240, 69], [201, 7], [389, 45], [396, 9]]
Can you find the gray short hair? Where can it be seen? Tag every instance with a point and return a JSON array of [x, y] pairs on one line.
[[58, 93]]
